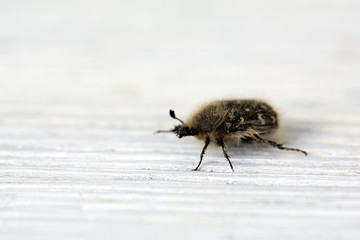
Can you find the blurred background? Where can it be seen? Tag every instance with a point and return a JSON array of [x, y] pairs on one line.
[[84, 84], [64, 56]]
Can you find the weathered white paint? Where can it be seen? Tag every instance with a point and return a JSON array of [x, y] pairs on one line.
[[84, 84]]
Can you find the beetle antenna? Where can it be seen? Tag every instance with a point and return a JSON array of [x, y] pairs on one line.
[[172, 114], [163, 131]]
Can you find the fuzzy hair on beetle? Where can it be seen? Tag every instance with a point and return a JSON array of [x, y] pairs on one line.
[[243, 120]]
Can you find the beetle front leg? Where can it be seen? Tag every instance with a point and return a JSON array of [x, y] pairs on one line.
[[207, 141]]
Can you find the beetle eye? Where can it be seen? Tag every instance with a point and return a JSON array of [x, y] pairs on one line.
[[194, 132], [185, 131]]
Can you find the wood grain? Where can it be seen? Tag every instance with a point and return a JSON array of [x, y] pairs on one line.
[[84, 85]]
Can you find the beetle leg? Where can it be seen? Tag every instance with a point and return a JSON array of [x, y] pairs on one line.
[[220, 141], [277, 145], [207, 141]]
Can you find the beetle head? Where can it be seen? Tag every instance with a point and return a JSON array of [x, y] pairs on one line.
[[180, 130], [183, 131]]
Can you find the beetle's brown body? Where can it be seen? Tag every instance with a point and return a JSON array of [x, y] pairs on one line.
[[220, 121], [233, 119]]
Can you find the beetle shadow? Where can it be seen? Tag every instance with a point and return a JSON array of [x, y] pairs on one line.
[[292, 133]]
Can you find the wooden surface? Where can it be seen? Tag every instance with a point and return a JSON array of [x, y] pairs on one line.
[[84, 85]]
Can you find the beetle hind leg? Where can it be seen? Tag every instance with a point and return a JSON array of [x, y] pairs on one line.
[[278, 145]]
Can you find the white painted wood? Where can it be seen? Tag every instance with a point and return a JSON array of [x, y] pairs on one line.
[[84, 84]]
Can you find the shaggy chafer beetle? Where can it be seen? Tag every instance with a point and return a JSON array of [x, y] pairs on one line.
[[220, 121]]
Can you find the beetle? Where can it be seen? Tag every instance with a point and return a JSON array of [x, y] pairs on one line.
[[245, 120]]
